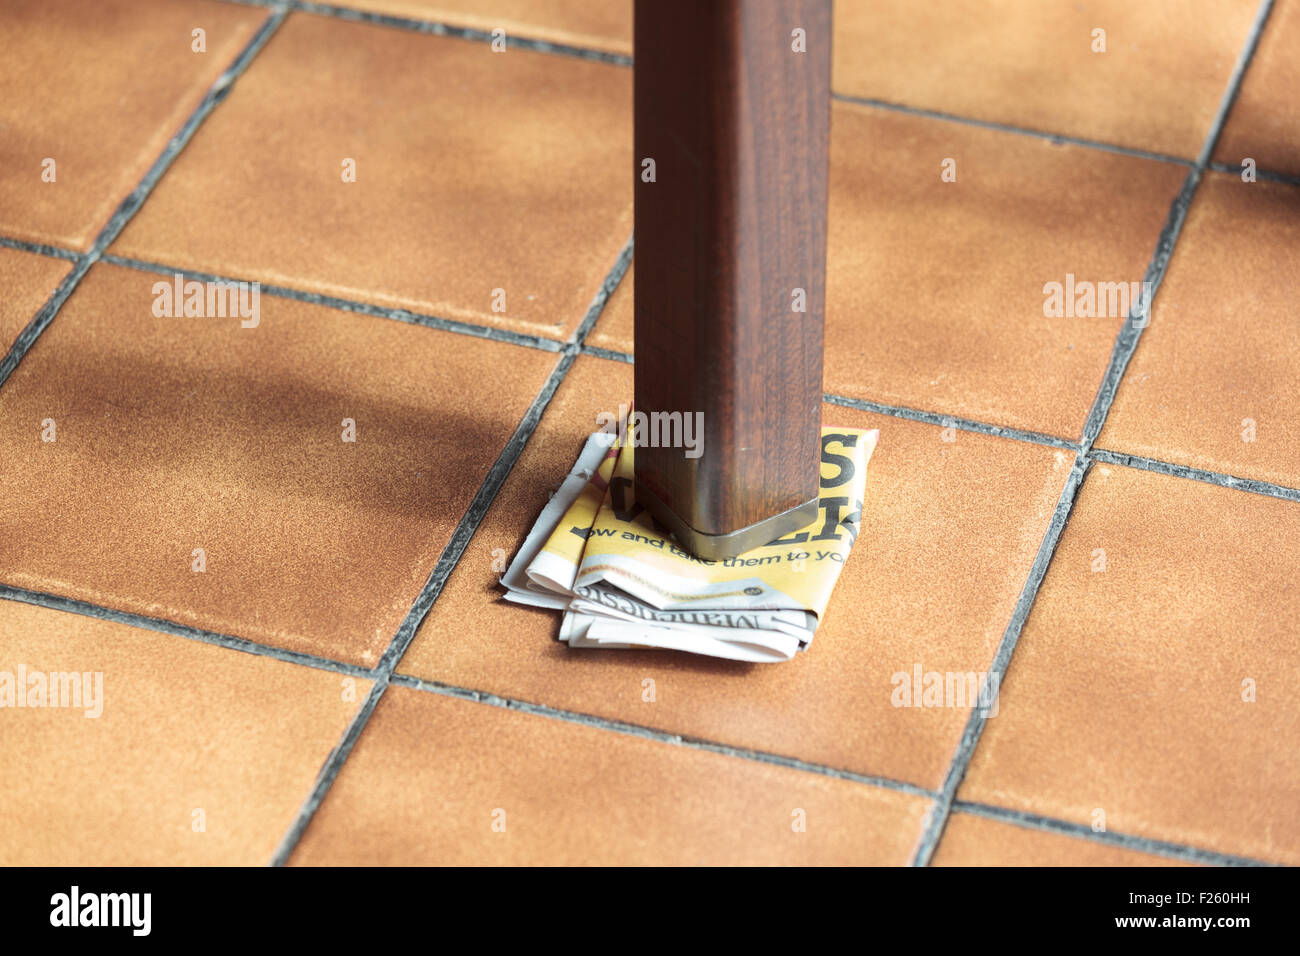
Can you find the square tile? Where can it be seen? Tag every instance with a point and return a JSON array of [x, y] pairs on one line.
[[182, 753], [176, 434], [27, 279], [1215, 380], [99, 87], [1265, 120], [1031, 64], [602, 25], [936, 290], [437, 780], [902, 601], [970, 840], [1128, 693], [481, 179]]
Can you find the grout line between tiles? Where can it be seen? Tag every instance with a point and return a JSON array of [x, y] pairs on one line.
[[1130, 332], [1057, 138], [1176, 851], [217, 92], [329, 771], [57, 602], [651, 733], [447, 561], [436, 28], [1284, 178], [937, 817], [951, 421], [1244, 58], [1252, 485], [352, 305], [40, 248], [1125, 344], [44, 316], [606, 289], [609, 354]]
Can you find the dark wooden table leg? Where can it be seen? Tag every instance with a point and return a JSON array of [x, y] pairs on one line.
[[732, 130]]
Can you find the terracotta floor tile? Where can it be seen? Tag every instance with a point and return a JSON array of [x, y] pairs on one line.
[[1031, 64], [27, 280], [602, 25], [99, 86], [475, 172], [935, 289], [1265, 120], [970, 840], [902, 600], [1126, 691], [1220, 362], [431, 773], [182, 433], [614, 328], [182, 726]]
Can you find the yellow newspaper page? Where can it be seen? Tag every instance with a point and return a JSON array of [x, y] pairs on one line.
[[796, 572], [556, 563]]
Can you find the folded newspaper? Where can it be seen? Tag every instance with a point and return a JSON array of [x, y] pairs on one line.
[[623, 582]]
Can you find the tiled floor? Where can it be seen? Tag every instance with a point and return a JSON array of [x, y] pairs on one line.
[[472, 171], [295, 641], [90, 93], [1151, 79]]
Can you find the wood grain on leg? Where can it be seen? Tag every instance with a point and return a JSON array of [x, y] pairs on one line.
[[730, 244]]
